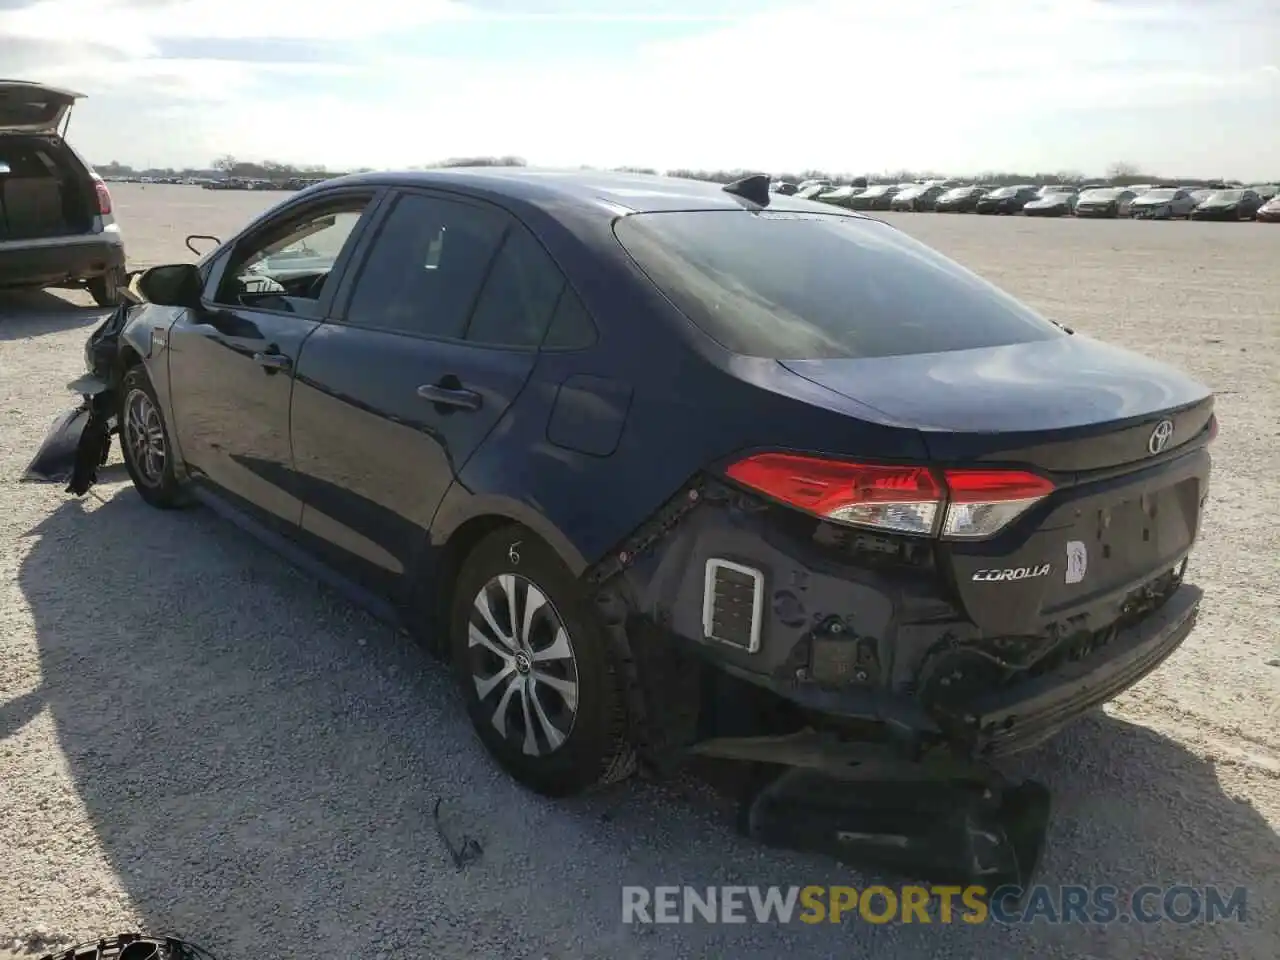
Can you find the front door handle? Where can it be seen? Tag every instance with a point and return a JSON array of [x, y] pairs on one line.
[[272, 361], [450, 396]]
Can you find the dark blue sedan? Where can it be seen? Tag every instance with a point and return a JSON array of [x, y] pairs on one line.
[[658, 463]]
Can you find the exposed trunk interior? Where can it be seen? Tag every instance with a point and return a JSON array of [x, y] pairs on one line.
[[44, 191]]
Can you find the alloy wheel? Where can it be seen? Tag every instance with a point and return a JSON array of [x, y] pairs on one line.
[[522, 664], [144, 436]]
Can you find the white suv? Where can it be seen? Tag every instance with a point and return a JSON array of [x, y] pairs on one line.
[[56, 226]]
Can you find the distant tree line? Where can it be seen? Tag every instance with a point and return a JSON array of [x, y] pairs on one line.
[[1120, 173], [230, 166]]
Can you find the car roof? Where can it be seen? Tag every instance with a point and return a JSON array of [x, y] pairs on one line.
[[611, 194]]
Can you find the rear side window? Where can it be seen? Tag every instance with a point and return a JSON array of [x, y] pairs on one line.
[[519, 296], [426, 266], [819, 286], [571, 326]]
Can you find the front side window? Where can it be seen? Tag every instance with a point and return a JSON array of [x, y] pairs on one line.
[[426, 266], [286, 266]]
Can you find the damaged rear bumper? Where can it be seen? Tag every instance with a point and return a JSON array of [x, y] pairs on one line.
[[856, 629], [1027, 714]]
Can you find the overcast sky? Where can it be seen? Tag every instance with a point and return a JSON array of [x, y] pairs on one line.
[[1187, 87]]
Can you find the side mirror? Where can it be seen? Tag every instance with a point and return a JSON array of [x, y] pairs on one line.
[[172, 285]]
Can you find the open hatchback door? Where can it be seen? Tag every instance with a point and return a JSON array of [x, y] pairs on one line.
[[33, 108]]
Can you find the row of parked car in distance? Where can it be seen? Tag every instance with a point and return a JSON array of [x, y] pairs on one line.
[[225, 183], [244, 183], [1142, 201]]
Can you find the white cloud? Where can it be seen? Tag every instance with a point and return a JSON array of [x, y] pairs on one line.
[[850, 83], [136, 27], [845, 84]]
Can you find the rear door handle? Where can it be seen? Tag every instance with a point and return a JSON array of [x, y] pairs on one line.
[[450, 396], [272, 361]]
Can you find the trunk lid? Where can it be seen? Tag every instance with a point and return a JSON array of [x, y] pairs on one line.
[[33, 108], [1065, 405], [1125, 509]]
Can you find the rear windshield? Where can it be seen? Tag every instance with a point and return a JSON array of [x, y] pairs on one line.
[[820, 286]]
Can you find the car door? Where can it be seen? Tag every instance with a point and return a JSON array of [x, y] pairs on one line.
[[436, 335], [232, 359]]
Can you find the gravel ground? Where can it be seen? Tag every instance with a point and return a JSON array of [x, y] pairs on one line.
[[196, 738]]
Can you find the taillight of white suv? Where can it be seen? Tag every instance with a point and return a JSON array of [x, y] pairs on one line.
[[104, 196]]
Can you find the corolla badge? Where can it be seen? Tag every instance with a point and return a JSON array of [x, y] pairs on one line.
[[1014, 573], [1160, 437]]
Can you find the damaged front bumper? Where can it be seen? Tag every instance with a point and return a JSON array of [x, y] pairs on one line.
[[79, 440]]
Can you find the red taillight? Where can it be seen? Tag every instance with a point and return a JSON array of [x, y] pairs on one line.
[[964, 504], [104, 197], [983, 501], [900, 499]]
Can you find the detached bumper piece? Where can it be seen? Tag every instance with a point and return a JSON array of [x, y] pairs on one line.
[[77, 443], [953, 831]]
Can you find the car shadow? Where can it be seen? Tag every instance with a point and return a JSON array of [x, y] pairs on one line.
[[34, 313], [261, 764]]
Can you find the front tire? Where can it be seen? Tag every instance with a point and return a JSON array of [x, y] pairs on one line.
[[144, 442], [540, 682]]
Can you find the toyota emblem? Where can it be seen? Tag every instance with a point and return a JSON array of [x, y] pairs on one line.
[[1160, 437]]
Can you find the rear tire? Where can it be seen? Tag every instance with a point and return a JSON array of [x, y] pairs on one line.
[[108, 289], [144, 442], [540, 682]]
